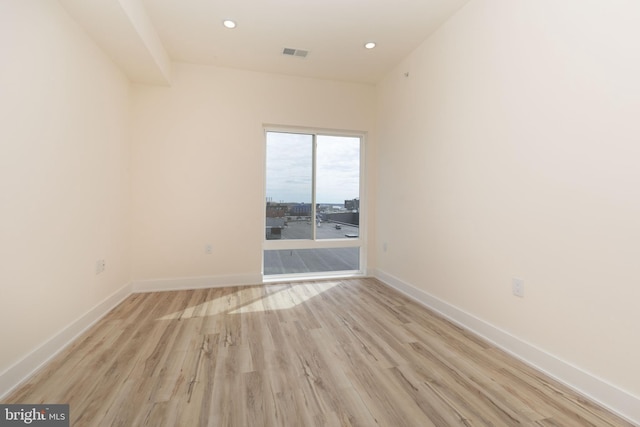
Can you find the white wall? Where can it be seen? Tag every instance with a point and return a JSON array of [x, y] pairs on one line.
[[198, 165], [64, 177], [512, 150]]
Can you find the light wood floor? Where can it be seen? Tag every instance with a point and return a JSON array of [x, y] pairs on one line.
[[343, 352]]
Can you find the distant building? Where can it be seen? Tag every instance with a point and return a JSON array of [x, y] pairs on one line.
[[352, 205], [276, 210], [301, 209]]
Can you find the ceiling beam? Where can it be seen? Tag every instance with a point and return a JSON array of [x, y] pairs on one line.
[[124, 31]]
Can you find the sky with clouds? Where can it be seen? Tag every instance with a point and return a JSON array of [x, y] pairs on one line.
[[289, 168]]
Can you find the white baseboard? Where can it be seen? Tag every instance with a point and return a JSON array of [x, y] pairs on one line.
[[28, 365], [611, 397], [178, 284]]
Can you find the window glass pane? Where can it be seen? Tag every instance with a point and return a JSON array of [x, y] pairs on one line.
[[337, 187], [289, 186], [298, 261]]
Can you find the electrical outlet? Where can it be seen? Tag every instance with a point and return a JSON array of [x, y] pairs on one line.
[[517, 287], [384, 247], [208, 249], [101, 265]]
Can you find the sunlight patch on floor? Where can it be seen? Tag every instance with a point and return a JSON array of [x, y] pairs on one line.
[[254, 300], [286, 298]]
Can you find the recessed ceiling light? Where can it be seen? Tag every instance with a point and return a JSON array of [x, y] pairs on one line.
[[370, 45], [229, 23]]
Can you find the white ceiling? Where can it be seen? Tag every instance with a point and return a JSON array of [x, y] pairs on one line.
[[333, 31]]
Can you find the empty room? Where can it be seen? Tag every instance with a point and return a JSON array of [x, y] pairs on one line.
[[319, 213]]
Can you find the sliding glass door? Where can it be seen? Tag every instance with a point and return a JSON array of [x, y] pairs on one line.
[[312, 212]]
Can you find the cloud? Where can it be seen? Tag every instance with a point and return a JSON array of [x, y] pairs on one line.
[[338, 169], [289, 168]]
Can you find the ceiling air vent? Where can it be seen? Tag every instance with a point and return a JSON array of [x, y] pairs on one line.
[[300, 53]]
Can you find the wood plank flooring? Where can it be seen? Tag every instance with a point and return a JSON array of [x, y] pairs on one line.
[[323, 353]]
